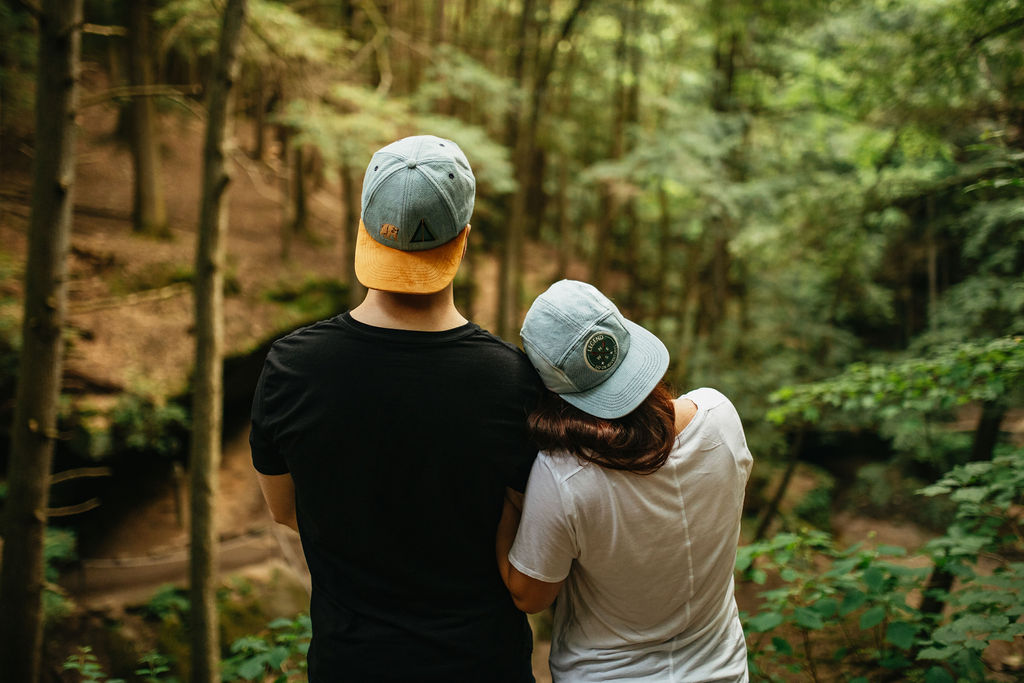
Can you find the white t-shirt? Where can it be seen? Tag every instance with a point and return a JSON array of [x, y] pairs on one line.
[[648, 559]]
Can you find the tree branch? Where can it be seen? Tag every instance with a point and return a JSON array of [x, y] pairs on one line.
[[98, 30], [998, 30], [79, 473], [66, 510], [31, 8], [138, 91]]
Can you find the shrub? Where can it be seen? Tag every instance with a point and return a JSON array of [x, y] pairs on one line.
[[855, 607]]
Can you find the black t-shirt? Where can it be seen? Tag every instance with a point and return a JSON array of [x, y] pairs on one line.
[[400, 444]]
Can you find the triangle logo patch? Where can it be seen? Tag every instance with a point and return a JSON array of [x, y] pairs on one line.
[[422, 233]]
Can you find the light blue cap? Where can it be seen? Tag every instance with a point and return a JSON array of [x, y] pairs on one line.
[[418, 193], [585, 351]]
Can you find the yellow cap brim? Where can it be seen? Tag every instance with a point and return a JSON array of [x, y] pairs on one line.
[[407, 272]]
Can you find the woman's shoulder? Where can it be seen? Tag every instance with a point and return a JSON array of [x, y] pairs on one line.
[[707, 398], [562, 465]]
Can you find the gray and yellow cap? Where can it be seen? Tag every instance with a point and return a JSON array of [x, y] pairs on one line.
[[588, 353], [418, 195]]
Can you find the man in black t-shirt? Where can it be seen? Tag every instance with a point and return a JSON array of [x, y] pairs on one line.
[[387, 435]]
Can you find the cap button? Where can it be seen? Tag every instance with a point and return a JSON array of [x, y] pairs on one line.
[[411, 163]]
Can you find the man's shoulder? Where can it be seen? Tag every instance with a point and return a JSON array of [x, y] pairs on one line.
[[500, 355], [488, 339], [304, 343]]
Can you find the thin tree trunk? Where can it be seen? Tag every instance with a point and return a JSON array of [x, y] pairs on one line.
[[300, 209], [610, 204], [207, 398], [149, 211], [772, 510], [284, 142], [661, 265], [986, 435], [41, 362], [437, 26], [565, 241], [259, 148], [350, 224], [511, 272]]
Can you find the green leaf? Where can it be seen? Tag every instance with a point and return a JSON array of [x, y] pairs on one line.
[[901, 634], [826, 607], [873, 617], [765, 621], [852, 601], [874, 578], [937, 674], [971, 494], [808, 618], [251, 669], [277, 656], [782, 646], [280, 623]]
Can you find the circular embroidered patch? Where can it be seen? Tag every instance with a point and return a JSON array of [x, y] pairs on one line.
[[601, 350]]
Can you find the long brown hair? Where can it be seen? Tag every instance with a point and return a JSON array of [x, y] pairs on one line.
[[638, 442]]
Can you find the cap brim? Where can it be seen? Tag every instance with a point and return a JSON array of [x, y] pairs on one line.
[[641, 370], [407, 272]]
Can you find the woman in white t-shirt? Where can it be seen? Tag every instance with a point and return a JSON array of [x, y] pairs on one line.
[[632, 512]]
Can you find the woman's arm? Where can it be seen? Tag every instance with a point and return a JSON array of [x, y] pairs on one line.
[[529, 594]]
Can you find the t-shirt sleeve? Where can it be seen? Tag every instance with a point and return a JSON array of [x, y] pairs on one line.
[[266, 457], [545, 544], [518, 461]]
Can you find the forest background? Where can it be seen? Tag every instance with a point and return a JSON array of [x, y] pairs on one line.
[[816, 204]]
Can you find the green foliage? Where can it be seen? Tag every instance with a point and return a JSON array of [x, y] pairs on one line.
[[816, 506], [152, 276], [866, 393], [312, 298], [59, 549], [275, 33], [857, 607], [141, 426], [88, 667], [883, 490], [353, 121], [153, 666], [985, 494], [167, 602], [859, 587], [17, 64], [279, 654]]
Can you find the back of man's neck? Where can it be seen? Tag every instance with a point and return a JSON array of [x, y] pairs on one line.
[[422, 312]]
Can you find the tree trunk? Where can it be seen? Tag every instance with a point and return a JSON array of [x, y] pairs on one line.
[[661, 265], [41, 362], [209, 325], [148, 211], [511, 273], [772, 510], [284, 142], [437, 25], [350, 224], [300, 210], [565, 233], [259, 121], [986, 434], [610, 203]]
